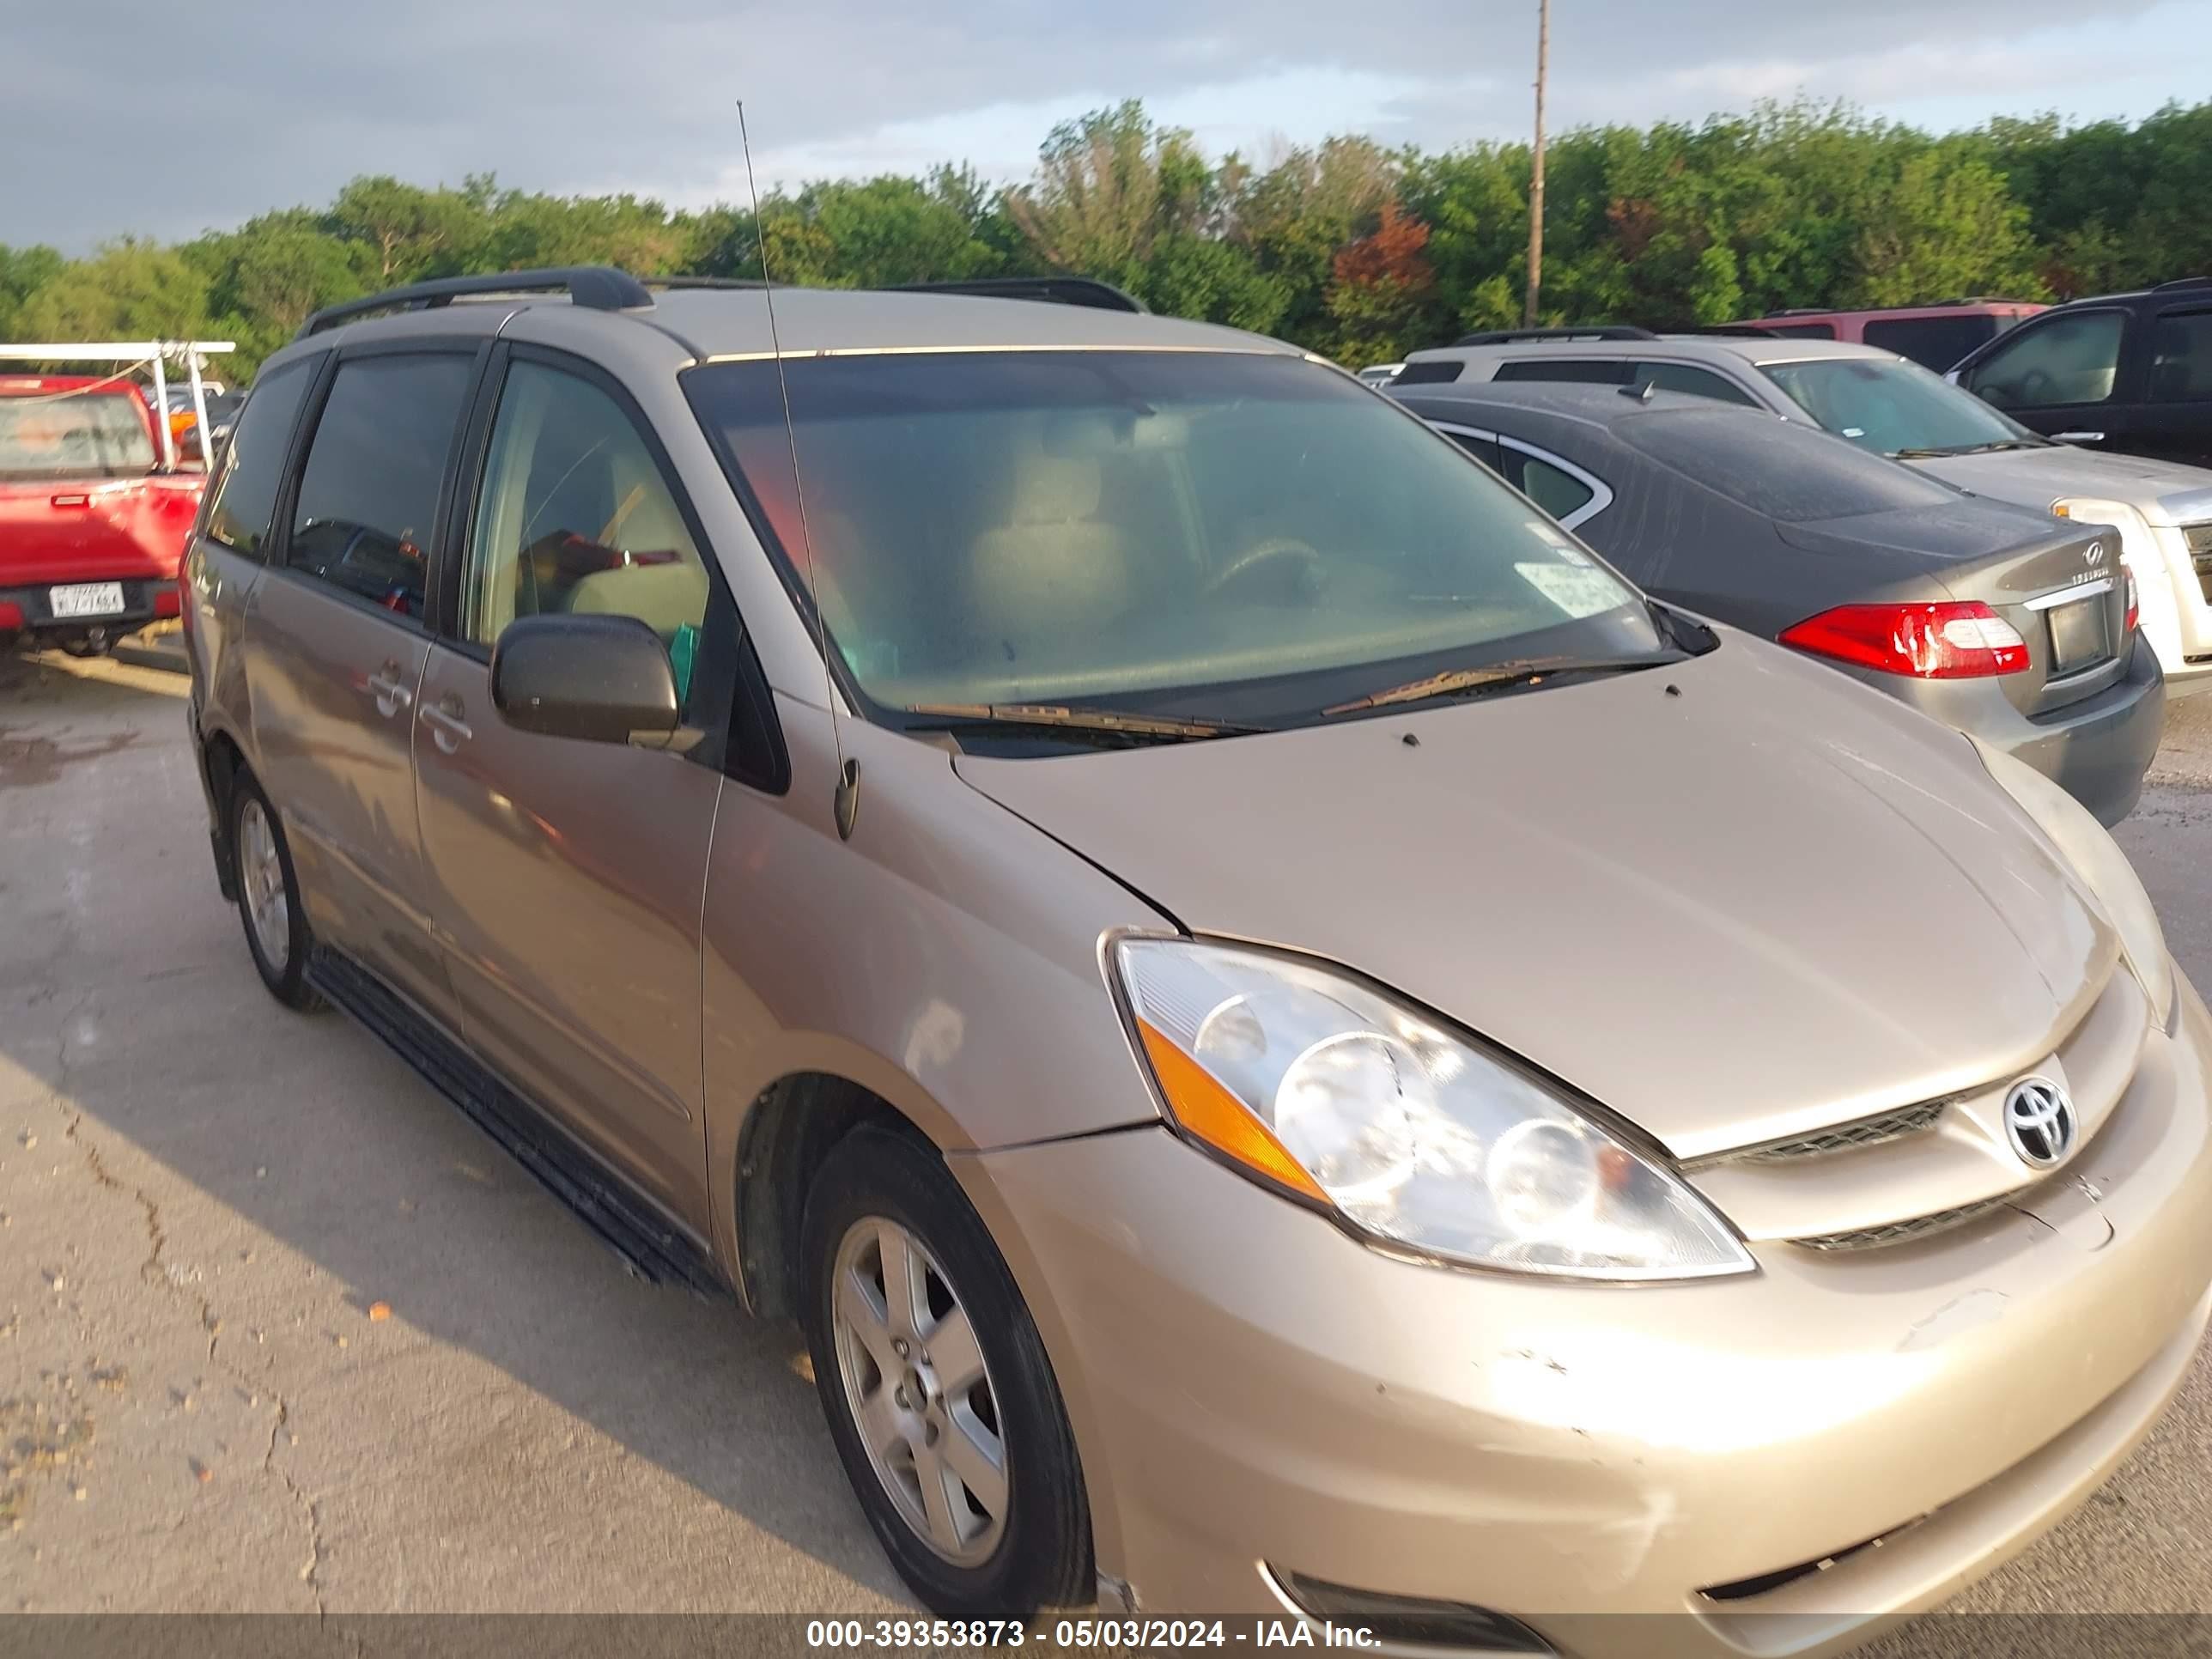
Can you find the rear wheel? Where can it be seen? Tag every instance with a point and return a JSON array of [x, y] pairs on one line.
[[936, 1388], [269, 895]]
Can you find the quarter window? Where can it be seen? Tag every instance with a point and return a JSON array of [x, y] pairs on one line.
[[2062, 359], [575, 518], [369, 500], [1559, 492], [253, 462]]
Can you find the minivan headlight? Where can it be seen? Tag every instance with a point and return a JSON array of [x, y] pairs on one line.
[[1326, 1089], [2104, 869]]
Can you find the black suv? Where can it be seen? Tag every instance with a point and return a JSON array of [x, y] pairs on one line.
[[2129, 372]]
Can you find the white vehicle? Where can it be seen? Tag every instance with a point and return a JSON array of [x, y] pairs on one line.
[[2162, 510]]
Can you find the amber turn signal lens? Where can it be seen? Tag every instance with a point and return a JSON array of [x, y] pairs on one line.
[[1217, 1117]]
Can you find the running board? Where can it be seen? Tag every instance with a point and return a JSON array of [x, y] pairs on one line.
[[648, 1247]]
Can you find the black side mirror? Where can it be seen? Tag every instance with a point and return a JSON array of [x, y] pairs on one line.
[[601, 678]]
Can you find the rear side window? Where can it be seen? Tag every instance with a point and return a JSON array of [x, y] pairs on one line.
[[1933, 342], [1788, 472], [369, 499], [1442, 372], [2181, 358], [1582, 370], [253, 464], [1697, 382]]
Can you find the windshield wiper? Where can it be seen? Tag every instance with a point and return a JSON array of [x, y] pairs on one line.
[[1947, 450], [1491, 677], [1092, 723]]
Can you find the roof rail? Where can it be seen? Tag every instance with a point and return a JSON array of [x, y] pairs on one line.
[[2183, 281], [600, 287], [1751, 329], [1517, 336], [1058, 290], [1803, 311], [678, 282]]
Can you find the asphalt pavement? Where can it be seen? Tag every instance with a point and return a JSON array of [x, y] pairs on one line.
[[279, 1331]]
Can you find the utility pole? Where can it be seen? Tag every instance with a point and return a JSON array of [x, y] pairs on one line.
[[1536, 172]]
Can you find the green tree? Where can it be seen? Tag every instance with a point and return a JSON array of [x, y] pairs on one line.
[[130, 289]]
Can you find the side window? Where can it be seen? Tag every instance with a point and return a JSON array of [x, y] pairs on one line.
[[1440, 371], [2063, 359], [1697, 382], [369, 500], [245, 496], [575, 518], [1483, 449], [1933, 342], [2181, 358], [1559, 493], [1585, 370]]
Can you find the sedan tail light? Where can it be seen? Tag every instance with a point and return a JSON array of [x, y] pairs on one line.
[[2134, 603], [1961, 640]]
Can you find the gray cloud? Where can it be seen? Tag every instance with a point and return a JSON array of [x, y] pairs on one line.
[[302, 94]]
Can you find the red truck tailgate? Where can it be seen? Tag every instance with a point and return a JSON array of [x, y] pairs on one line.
[[54, 530]]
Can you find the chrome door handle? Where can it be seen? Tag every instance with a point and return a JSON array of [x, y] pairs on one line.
[[391, 695], [448, 729], [2077, 437]]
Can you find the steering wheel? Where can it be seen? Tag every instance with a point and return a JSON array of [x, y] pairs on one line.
[[2034, 387], [1297, 566]]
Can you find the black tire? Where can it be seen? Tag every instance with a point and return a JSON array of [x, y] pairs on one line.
[[1043, 1557], [287, 981]]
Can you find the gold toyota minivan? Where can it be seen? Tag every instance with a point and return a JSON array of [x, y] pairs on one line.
[[1299, 1046]]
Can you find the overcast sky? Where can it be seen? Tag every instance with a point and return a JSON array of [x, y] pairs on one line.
[[296, 96]]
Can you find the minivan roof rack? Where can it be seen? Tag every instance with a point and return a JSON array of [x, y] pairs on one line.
[[1058, 290], [1517, 336], [2183, 281], [601, 288]]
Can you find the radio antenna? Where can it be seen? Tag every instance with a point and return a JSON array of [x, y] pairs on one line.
[[846, 803]]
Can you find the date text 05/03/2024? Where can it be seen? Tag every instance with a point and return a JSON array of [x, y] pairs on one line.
[[1100, 1633]]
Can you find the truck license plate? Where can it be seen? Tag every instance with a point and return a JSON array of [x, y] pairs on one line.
[[86, 599]]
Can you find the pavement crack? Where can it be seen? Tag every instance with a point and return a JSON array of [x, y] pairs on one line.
[[311, 1570]]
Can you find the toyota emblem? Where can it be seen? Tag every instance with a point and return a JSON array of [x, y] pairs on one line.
[[2040, 1121]]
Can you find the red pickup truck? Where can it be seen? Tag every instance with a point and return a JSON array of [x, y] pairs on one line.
[[92, 525]]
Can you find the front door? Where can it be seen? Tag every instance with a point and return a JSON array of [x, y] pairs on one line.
[[336, 643], [2062, 375], [569, 874]]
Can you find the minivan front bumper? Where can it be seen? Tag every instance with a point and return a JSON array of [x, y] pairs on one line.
[[1255, 1392]]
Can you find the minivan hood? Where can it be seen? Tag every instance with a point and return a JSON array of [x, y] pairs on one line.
[[1766, 901], [2167, 492]]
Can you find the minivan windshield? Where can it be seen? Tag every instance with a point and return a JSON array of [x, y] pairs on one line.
[[73, 435], [1898, 408], [1217, 535]]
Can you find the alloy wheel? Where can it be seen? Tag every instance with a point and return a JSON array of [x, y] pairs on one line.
[[918, 1391]]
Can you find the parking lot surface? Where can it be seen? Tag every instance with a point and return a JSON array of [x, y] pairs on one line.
[[281, 1332]]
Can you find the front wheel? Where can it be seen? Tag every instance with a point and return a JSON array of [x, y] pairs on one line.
[[269, 897], [936, 1388]]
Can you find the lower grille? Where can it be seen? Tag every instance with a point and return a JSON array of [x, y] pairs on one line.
[[1744, 1589], [1899, 1232]]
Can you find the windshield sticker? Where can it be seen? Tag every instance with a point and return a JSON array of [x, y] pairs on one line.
[[1578, 590]]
